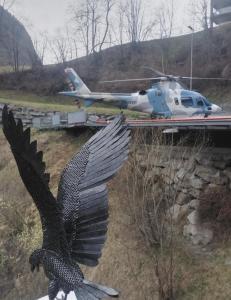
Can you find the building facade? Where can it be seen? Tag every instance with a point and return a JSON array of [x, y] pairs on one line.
[[221, 11]]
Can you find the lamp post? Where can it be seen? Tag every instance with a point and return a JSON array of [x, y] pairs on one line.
[[191, 67]]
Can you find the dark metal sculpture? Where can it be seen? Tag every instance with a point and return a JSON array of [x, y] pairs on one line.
[[75, 225]]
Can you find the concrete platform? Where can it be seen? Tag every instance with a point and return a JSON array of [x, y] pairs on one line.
[[182, 123]]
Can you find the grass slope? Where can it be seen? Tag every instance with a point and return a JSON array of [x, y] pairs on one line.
[[57, 103]]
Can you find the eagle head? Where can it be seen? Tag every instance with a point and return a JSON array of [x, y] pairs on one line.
[[36, 259]]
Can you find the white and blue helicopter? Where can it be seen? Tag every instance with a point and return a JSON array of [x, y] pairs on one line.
[[165, 98]]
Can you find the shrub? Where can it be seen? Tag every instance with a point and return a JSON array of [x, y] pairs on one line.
[[215, 208]]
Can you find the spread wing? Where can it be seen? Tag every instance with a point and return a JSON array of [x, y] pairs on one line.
[[32, 170], [83, 193]]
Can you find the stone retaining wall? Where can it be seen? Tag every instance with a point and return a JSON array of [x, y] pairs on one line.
[[190, 172]]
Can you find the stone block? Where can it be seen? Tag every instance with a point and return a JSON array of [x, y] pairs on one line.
[[219, 178], [177, 212], [219, 164], [194, 204], [199, 234], [204, 161], [195, 193], [183, 198], [211, 175], [204, 236], [227, 173], [205, 172], [196, 182], [193, 218], [190, 230], [181, 174]]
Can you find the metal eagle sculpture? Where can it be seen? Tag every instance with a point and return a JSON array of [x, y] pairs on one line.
[[75, 225]]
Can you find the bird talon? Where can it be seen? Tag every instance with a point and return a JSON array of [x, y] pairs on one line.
[[33, 267]]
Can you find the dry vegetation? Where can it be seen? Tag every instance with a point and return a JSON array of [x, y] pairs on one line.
[[215, 209], [128, 261]]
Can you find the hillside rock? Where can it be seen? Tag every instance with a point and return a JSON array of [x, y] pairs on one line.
[[200, 234], [16, 47]]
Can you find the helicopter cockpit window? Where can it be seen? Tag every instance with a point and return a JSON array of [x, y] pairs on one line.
[[207, 103], [200, 102], [187, 102], [176, 101]]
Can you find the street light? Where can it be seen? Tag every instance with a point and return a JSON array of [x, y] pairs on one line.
[[191, 68]]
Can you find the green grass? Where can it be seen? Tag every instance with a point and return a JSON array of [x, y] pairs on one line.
[[9, 69], [57, 103], [39, 105]]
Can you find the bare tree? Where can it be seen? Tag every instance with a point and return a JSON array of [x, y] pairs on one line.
[[82, 26], [201, 13], [40, 43], [155, 173], [60, 48], [72, 42], [7, 4], [12, 46], [118, 28], [121, 25], [92, 23], [138, 29], [63, 46], [108, 7], [165, 20]]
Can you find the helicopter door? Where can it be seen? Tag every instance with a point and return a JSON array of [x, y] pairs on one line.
[[157, 99]]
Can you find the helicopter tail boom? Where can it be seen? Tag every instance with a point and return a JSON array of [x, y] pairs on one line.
[[78, 85]]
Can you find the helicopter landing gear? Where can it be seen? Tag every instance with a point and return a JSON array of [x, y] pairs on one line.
[[156, 116]]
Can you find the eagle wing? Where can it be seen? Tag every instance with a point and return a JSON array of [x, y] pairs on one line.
[[32, 170], [84, 195]]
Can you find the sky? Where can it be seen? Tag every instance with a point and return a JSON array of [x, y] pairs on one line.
[[42, 15], [49, 15]]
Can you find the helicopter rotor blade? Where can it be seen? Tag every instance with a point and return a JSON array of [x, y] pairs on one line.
[[166, 78], [169, 76], [155, 71], [205, 78], [135, 79]]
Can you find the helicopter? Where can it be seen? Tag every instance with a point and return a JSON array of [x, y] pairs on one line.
[[164, 99]]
